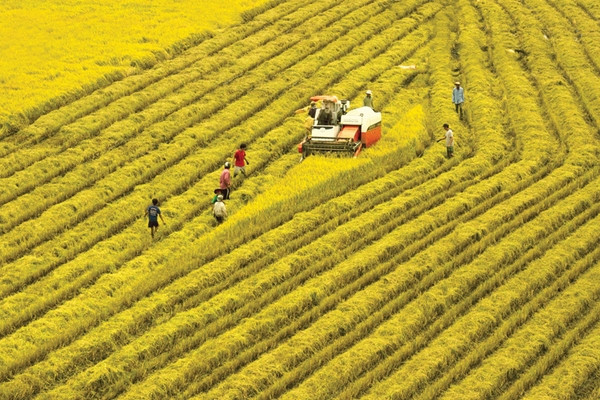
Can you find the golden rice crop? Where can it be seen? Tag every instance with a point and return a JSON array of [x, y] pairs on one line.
[[72, 46], [397, 274]]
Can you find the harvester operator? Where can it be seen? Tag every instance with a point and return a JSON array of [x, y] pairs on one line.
[[325, 115]]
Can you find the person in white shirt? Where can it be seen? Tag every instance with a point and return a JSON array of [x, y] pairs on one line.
[[449, 136], [219, 210], [368, 100]]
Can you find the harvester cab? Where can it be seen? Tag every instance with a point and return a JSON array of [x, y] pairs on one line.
[[338, 130]]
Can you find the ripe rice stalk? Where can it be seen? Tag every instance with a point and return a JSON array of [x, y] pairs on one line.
[[538, 333], [570, 376]]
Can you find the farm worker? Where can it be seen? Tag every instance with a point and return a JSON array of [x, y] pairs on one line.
[[240, 160], [325, 116], [458, 98], [449, 136], [312, 111], [219, 210], [153, 212], [217, 193], [225, 181], [310, 117], [368, 100]]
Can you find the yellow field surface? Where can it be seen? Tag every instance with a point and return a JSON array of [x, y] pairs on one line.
[[50, 49], [401, 273]]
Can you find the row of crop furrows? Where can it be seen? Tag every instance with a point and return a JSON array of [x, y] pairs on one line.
[[214, 285], [204, 289], [495, 17], [379, 352], [559, 196], [577, 58], [183, 329], [509, 310], [439, 358], [120, 183], [194, 364], [577, 375], [18, 276], [253, 164], [589, 7], [373, 190], [535, 334], [231, 99], [106, 103], [242, 128], [584, 26], [231, 366], [280, 132], [536, 368], [576, 207], [209, 86], [388, 181], [316, 386]]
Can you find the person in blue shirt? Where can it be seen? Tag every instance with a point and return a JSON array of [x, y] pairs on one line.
[[458, 98], [153, 212]]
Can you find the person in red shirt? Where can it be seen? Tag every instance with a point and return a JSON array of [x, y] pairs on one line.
[[240, 160], [225, 181]]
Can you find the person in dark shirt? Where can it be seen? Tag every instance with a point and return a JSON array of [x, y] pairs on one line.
[[153, 212], [325, 116], [312, 111]]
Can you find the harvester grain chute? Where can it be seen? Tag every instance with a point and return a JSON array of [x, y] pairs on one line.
[[338, 130]]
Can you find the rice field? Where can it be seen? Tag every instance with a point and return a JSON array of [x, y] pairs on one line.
[[53, 52], [399, 274]]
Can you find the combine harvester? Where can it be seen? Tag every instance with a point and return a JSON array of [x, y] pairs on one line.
[[336, 129]]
